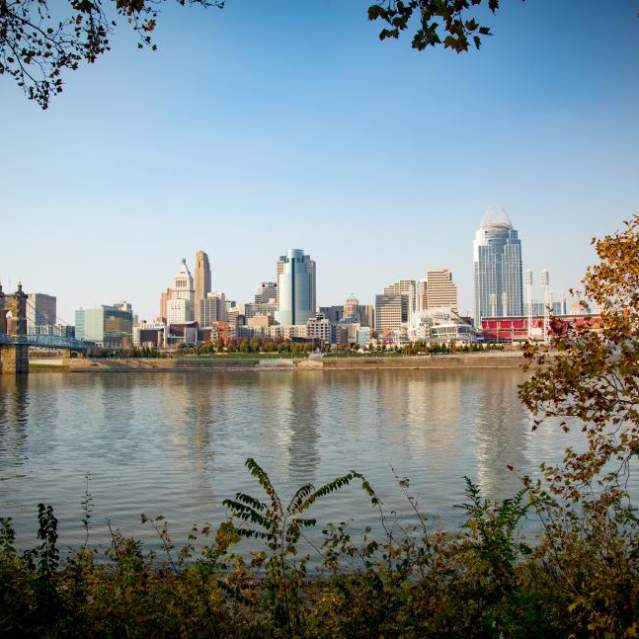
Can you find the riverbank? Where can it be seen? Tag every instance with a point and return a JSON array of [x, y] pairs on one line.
[[502, 359]]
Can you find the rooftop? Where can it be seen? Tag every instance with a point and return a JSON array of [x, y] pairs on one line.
[[496, 218]]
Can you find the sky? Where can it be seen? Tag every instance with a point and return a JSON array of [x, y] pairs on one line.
[[268, 126]]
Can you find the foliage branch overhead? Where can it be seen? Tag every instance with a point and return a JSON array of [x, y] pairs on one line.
[[453, 23], [41, 39]]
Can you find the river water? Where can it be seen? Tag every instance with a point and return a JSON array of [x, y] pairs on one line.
[[175, 443]]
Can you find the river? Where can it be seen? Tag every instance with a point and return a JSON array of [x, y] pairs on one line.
[[175, 443]]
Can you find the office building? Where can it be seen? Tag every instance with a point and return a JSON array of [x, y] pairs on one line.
[[179, 299], [440, 289], [320, 328], [202, 281], [165, 296], [41, 311], [268, 308], [107, 326], [296, 278], [266, 293], [391, 311], [498, 268], [333, 313], [367, 315], [404, 287], [124, 306], [150, 335], [287, 332], [351, 309], [363, 336], [213, 309], [57, 330]]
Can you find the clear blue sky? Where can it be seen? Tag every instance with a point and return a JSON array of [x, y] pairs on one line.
[[288, 124]]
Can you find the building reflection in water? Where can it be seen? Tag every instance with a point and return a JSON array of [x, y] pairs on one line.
[[501, 434], [14, 415], [175, 443], [303, 428]]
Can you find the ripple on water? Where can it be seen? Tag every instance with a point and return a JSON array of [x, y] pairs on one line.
[[175, 444]]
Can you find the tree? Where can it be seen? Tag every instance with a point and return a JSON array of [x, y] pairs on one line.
[[37, 43], [448, 22], [590, 375]]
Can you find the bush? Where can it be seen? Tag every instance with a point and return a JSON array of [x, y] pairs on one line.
[[580, 579]]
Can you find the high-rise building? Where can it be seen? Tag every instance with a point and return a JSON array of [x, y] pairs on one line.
[[333, 313], [421, 299], [108, 326], [498, 268], [367, 315], [178, 301], [202, 280], [440, 289], [251, 310], [41, 311], [404, 287], [391, 311], [266, 292], [165, 296], [213, 309], [296, 277], [351, 308], [124, 306]]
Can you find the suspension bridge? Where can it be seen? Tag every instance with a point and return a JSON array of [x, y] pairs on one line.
[[15, 340]]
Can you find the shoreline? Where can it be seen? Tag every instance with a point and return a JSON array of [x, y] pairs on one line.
[[503, 359]]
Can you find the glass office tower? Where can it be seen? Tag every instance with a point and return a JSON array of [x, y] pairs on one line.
[[295, 288], [498, 268]]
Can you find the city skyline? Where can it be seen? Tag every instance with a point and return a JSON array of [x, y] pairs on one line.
[[282, 148], [190, 302]]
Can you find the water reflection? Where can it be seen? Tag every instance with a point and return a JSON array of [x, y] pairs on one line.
[[176, 443], [303, 426], [501, 436], [14, 404]]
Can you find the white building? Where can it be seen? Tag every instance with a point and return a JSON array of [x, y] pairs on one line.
[[287, 331], [179, 306], [440, 325]]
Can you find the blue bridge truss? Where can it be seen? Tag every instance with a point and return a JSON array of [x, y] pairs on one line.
[[43, 341]]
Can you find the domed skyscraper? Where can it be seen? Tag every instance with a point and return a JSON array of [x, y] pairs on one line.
[[498, 268]]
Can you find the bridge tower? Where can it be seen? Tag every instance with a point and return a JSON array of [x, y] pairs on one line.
[[14, 355]]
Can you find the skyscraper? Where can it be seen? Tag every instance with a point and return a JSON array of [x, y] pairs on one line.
[[202, 280], [440, 289], [179, 299], [295, 288], [391, 311], [498, 269], [266, 292], [404, 287], [351, 308], [41, 311], [213, 309]]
